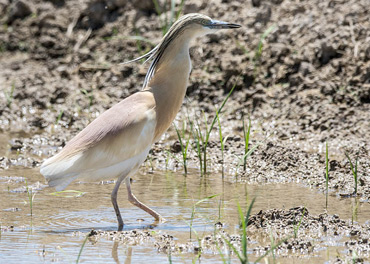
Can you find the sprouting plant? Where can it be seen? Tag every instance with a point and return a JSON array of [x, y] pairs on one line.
[[245, 156], [259, 48], [9, 95], [170, 257], [296, 227], [199, 251], [327, 174], [354, 257], [59, 117], [89, 95], [197, 145], [184, 144], [149, 158], [202, 139], [194, 208], [168, 21], [246, 134], [354, 171], [220, 206], [82, 247], [114, 31], [222, 142], [31, 197], [272, 241], [167, 159], [243, 255]]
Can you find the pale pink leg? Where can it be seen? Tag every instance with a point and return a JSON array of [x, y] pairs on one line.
[[132, 199]]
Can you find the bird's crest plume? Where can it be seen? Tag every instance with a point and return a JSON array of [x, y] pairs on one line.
[[156, 53]]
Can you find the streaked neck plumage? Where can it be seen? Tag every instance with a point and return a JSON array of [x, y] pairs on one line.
[[169, 82]]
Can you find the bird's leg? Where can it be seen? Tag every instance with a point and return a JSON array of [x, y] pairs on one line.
[[114, 202], [132, 199]]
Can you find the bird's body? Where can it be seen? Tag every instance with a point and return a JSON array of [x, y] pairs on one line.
[[97, 152], [118, 141]]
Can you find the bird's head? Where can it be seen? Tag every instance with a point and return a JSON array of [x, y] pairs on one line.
[[195, 25], [185, 29]]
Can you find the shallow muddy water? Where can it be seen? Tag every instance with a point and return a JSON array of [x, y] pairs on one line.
[[59, 224]]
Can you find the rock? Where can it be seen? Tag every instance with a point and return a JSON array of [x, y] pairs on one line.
[[256, 3], [3, 6], [306, 68], [58, 3], [263, 16], [144, 5], [100, 12], [18, 9], [328, 52], [176, 147]]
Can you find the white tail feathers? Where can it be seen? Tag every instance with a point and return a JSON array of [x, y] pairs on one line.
[[58, 173], [62, 183]]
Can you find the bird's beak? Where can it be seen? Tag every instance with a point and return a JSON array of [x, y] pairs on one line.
[[215, 24]]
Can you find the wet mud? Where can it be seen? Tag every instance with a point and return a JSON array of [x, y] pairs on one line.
[[301, 72]]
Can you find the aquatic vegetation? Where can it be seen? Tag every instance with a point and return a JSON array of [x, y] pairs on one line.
[[246, 134], [243, 255], [296, 227], [9, 95], [31, 197], [194, 208], [222, 142], [354, 172], [259, 49], [201, 139], [82, 247], [89, 95], [59, 117], [184, 144]]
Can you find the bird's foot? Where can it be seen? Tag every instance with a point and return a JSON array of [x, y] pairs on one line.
[[160, 220]]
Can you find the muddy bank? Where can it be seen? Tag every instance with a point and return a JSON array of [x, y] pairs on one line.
[[289, 233], [301, 73], [302, 84]]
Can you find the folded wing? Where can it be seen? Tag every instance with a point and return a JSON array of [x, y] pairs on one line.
[[112, 144]]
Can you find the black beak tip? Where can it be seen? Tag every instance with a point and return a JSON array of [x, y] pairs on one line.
[[232, 25]]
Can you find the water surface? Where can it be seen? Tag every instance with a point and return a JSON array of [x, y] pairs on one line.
[[50, 234]]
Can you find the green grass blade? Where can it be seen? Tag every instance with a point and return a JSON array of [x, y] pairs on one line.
[[82, 247], [195, 205], [246, 141], [270, 250], [219, 111], [354, 171], [296, 228], [236, 252]]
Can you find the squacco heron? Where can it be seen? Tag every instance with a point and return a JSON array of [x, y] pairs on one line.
[[115, 144]]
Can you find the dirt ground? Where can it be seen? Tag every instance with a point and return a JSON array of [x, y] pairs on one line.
[[301, 71]]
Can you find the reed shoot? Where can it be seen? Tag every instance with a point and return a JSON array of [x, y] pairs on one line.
[[354, 172], [184, 145], [246, 134]]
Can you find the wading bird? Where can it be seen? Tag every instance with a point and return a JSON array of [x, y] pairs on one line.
[[118, 141]]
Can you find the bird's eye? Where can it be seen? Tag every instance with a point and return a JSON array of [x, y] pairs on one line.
[[205, 22]]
